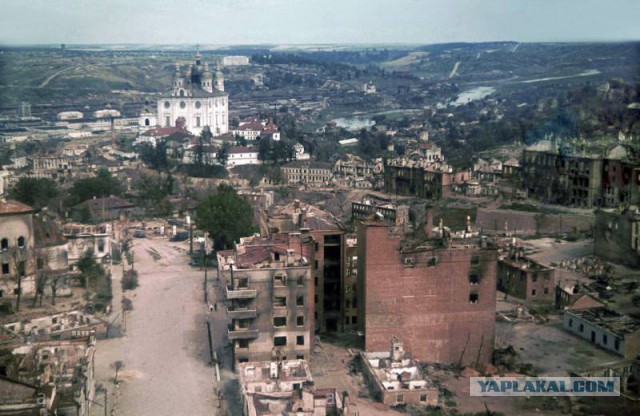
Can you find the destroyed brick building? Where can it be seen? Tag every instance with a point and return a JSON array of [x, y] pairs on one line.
[[571, 174], [397, 378], [616, 235], [284, 388], [439, 296], [270, 293], [59, 373], [392, 214], [525, 278], [328, 268]]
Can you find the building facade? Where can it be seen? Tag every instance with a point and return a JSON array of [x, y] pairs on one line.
[[17, 249], [302, 172], [270, 291], [439, 298], [525, 279], [616, 236], [606, 329]]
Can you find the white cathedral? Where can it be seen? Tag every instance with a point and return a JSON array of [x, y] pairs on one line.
[[196, 101]]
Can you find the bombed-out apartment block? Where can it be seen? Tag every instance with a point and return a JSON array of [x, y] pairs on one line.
[[607, 329], [269, 295], [391, 214], [328, 267], [616, 236], [397, 378], [17, 254], [524, 278], [437, 296], [284, 388], [58, 373], [82, 238], [571, 174]]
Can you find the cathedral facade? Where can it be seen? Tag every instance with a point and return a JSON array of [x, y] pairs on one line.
[[196, 101]]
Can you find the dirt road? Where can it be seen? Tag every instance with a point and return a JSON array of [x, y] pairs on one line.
[[164, 350]]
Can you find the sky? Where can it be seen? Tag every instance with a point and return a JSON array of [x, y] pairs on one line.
[[227, 22]]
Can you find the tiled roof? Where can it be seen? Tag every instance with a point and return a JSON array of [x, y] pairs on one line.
[[13, 207]]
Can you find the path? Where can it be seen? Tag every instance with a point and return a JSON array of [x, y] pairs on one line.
[[165, 351], [454, 71], [51, 77]]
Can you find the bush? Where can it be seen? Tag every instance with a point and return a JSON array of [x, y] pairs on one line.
[[130, 280]]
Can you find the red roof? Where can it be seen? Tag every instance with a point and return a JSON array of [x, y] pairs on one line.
[[163, 131], [13, 207], [242, 149]]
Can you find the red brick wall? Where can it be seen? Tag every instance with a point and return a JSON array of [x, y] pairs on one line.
[[427, 307]]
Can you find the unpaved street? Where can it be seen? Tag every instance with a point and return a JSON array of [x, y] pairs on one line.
[[164, 350]]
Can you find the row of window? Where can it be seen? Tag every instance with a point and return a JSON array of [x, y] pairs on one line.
[[281, 301], [281, 341], [281, 321], [4, 243], [604, 337], [400, 397]]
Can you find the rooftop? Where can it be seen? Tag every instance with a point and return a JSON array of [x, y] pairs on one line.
[[9, 207], [265, 371], [609, 319]]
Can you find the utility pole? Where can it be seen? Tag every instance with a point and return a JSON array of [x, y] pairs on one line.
[[205, 261], [190, 235]]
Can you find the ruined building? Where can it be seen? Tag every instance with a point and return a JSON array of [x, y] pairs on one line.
[[524, 278], [17, 254], [439, 297], [397, 378], [564, 174], [616, 235], [328, 268], [284, 388], [270, 293]]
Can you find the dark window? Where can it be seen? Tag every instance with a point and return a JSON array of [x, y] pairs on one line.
[[316, 264], [280, 321], [300, 281], [101, 246], [581, 327], [475, 259], [546, 290], [280, 301], [279, 341], [534, 277], [315, 298], [354, 320], [243, 343], [354, 303], [399, 398], [533, 292], [423, 397], [5, 268], [432, 262], [300, 320], [616, 342], [474, 279], [300, 357], [21, 242], [4, 244], [346, 320], [243, 360], [315, 281], [570, 323], [604, 339], [300, 340], [473, 298], [300, 300], [40, 263]]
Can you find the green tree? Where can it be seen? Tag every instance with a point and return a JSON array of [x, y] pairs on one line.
[[91, 270], [155, 156], [226, 216], [34, 192], [101, 185], [222, 155]]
